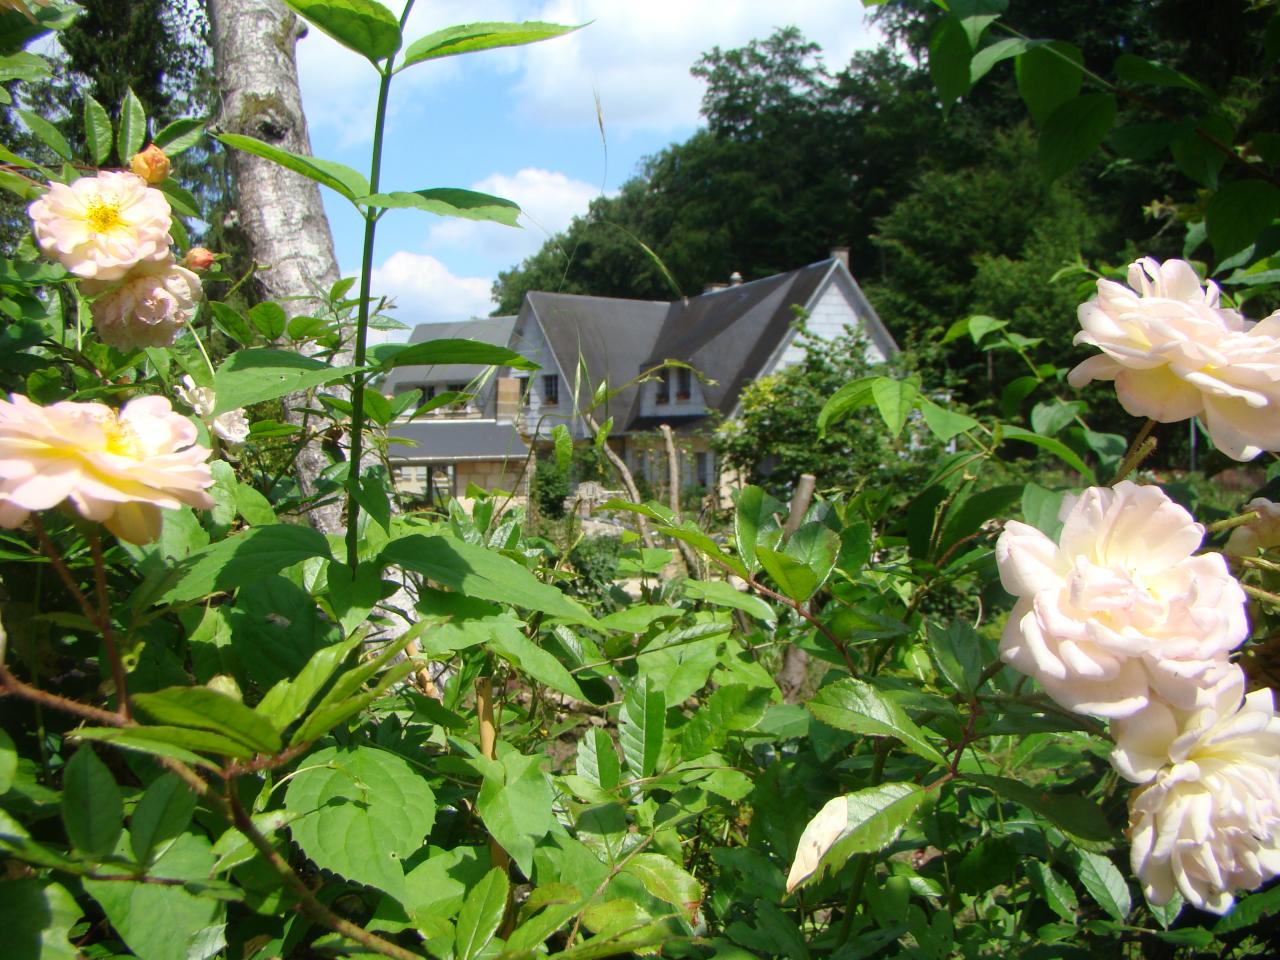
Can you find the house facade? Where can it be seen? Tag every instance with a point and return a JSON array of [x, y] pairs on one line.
[[637, 363]]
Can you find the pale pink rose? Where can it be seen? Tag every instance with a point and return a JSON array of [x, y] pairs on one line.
[[1174, 353], [231, 427], [201, 400], [1208, 823], [1261, 533], [99, 227], [116, 469], [1119, 609], [147, 308]]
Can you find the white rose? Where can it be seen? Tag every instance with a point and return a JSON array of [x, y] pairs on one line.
[[1260, 533], [1119, 607], [232, 427], [1208, 823]]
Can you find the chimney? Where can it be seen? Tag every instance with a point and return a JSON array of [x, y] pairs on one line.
[[508, 399], [735, 279], [841, 254]]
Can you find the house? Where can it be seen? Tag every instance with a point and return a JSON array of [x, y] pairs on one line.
[[682, 363]]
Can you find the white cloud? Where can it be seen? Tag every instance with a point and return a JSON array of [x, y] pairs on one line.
[[426, 292], [549, 201], [635, 55]]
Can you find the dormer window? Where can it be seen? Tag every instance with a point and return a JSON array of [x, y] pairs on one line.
[[662, 389], [551, 389], [684, 384]]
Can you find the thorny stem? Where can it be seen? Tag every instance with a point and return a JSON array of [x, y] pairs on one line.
[[1139, 450], [12, 686], [821, 627], [1264, 595], [100, 617]]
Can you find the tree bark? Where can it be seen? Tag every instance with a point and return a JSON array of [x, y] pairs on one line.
[[687, 553], [280, 213]]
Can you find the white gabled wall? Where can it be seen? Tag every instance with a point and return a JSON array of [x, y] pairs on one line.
[[649, 406], [831, 311], [529, 341]]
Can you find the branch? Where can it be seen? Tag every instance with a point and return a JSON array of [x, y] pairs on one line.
[[628, 480], [689, 555]]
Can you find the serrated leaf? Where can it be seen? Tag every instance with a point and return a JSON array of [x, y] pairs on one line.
[[288, 700], [1135, 69], [667, 881], [844, 401], [244, 558], [365, 26], [448, 202], [642, 727], [957, 652], [204, 709], [252, 376], [794, 578], [473, 37], [994, 53], [858, 707], [336, 176], [756, 521], [179, 136], [46, 133], [1074, 131], [37, 917], [178, 743], [92, 807], [515, 802], [97, 130], [360, 811], [1056, 447], [597, 761], [481, 914], [723, 594], [944, 423], [1076, 815], [1048, 76], [161, 815], [1105, 883], [132, 132], [949, 55], [894, 399], [386, 356], [863, 822]]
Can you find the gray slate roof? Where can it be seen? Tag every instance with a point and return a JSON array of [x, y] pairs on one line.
[[494, 330], [444, 440]]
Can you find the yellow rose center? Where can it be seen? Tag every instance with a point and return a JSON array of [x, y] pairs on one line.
[[104, 215], [120, 439]]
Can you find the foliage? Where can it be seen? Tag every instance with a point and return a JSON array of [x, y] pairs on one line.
[[233, 740], [550, 487]]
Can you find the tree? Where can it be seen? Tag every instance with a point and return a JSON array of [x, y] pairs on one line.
[[280, 213]]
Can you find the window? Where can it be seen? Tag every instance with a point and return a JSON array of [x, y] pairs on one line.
[[525, 392], [684, 383], [702, 469], [551, 389], [662, 390]]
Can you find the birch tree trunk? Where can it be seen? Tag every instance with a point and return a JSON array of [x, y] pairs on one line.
[[283, 220]]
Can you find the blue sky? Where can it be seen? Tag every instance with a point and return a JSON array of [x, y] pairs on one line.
[[521, 123]]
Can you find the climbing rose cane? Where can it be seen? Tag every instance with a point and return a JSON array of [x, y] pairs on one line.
[[116, 469], [1174, 353], [99, 227], [1119, 608]]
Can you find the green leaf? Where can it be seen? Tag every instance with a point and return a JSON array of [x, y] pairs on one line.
[[512, 645], [943, 422], [894, 399], [1040, 507], [8, 762], [162, 922], [328, 715], [667, 881], [360, 812], [252, 376], [448, 202], [1056, 892], [1105, 883], [858, 707], [515, 804], [642, 727], [203, 709], [949, 56], [968, 518], [756, 519], [269, 317], [231, 323], [1074, 131], [244, 558], [92, 808], [481, 914], [817, 546], [37, 918], [794, 578], [844, 401], [386, 356], [732, 709], [46, 133], [1250, 910], [1076, 815], [1056, 447], [288, 700], [863, 822], [472, 37], [563, 445], [1048, 76], [723, 594], [179, 136], [990, 55], [597, 760], [24, 66], [1238, 212], [132, 132], [160, 816], [957, 653], [177, 743], [97, 130], [1134, 69], [336, 176], [637, 618], [478, 572], [365, 26]]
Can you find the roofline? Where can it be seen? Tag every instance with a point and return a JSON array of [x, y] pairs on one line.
[[469, 458]]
